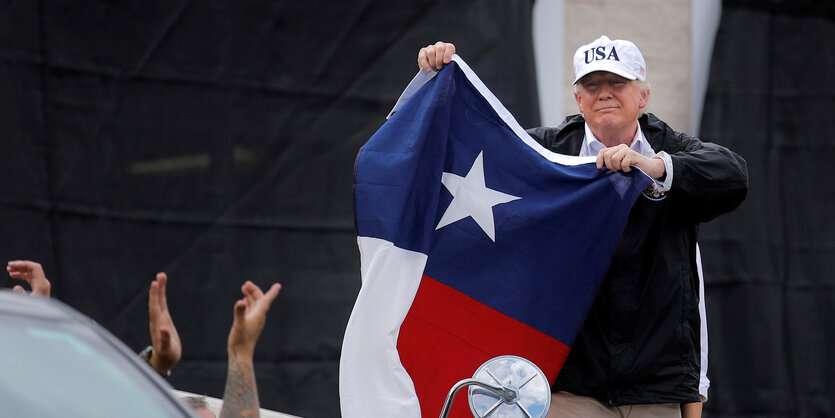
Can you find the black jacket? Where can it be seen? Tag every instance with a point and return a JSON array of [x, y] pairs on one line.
[[640, 342]]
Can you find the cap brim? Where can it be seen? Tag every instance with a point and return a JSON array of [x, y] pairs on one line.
[[608, 68]]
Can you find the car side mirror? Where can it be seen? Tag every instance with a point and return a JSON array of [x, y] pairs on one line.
[[505, 387]]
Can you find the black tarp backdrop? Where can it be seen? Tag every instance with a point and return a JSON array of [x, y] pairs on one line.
[[769, 286], [215, 140]]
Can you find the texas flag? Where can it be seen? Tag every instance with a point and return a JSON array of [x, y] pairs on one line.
[[475, 242]]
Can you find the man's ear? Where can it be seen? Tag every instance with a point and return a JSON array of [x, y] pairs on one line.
[[644, 99], [579, 100]]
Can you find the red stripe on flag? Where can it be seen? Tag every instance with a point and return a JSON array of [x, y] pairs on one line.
[[447, 335]]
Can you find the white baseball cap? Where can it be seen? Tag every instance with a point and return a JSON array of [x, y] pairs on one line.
[[619, 56]]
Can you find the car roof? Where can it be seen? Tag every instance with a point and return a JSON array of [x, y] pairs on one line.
[[52, 311], [36, 307]]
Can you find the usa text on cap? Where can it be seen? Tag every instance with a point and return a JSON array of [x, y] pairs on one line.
[[619, 56]]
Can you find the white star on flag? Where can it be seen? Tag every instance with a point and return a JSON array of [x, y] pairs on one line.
[[472, 198]]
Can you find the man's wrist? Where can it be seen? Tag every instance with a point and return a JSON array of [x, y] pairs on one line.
[[148, 355], [657, 170], [240, 354]]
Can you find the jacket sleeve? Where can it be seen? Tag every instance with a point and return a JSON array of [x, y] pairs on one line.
[[707, 178]]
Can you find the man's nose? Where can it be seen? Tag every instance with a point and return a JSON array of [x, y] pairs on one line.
[[605, 92]]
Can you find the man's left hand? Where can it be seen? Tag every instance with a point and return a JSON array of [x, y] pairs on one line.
[[622, 158], [166, 341], [32, 273]]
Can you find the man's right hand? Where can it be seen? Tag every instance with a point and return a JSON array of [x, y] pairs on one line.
[[250, 314], [433, 57]]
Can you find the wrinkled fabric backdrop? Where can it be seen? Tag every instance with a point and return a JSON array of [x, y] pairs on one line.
[[769, 289], [215, 141]]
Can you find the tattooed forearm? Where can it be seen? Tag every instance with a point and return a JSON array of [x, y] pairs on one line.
[[240, 398]]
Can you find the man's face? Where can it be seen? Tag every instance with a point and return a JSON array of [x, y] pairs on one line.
[[609, 102]]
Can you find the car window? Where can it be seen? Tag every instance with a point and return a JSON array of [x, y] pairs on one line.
[[60, 369]]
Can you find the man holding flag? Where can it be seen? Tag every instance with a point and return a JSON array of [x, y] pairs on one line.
[[639, 346], [478, 241]]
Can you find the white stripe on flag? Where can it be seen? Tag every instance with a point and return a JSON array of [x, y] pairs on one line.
[[372, 380]]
